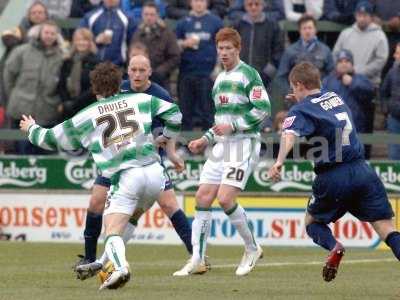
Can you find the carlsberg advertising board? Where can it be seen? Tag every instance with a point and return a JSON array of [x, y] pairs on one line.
[[74, 174]]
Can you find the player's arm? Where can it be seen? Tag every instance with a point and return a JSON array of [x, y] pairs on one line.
[[170, 115], [62, 135], [261, 107], [287, 142], [297, 124]]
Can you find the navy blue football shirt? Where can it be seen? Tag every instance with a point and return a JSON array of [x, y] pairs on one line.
[[326, 121], [153, 90]]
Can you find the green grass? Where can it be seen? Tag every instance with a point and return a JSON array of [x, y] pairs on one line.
[[43, 271]]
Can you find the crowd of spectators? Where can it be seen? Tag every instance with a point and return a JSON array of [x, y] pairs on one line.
[[45, 71]]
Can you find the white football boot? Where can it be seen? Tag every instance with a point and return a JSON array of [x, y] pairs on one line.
[[192, 268], [117, 279], [249, 261]]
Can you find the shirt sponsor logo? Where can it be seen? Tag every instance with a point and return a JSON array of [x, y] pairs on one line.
[[288, 122], [256, 93], [223, 99]]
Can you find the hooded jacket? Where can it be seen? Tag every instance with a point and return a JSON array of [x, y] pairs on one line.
[[369, 47], [31, 76]]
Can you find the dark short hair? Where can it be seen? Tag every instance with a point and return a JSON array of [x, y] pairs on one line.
[[307, 74], [305, 19], [151, 4], [106, 79]]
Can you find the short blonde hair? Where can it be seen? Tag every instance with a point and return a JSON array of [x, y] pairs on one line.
[[87, 35]]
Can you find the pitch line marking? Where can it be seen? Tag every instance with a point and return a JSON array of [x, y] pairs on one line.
[[310, 263]]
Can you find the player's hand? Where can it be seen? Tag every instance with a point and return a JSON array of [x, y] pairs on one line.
[[26, 122], [290, 98], [178, 162], [103, 38], [223, 129], [197, 146], [161, 141], [275, 172], [347, 79]]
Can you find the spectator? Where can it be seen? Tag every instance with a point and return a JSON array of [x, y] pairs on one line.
[[74, 87], [387, 14], [367, 42], [80, 7], [36, 15], [177, 9], [340, 11], [196, 35], [57, 8], [112, 30], [262, 45], [161, 43], [307, 48], [31, 76], [273, 10], [138, 48], [133, 8], [355, 89], [295, 9], [391, 90]]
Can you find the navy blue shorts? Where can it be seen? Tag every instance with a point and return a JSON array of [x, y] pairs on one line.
[[349, 187], [106, 182]]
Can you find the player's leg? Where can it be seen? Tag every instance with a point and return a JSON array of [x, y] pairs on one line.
[[239, 161], [94, 216], [373, 206], [320, 233], [170, 207], [227, 200], [201, 227], [327, 204], [388, 233]]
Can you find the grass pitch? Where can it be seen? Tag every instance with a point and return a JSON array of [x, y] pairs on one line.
[[44, 271]]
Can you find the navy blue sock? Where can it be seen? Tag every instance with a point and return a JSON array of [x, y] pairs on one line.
[[92, 232], [393, 241], [182, 228], [321, 235]]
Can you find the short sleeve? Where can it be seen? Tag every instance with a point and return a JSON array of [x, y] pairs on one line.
[[298, 123]]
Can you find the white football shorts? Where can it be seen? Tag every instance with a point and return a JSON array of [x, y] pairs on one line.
[[136, 188], [231, 162]]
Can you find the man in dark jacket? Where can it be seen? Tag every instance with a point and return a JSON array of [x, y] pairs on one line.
[[340, 11], [307, 48], [177, 9], [161, 43], [355, 89], [262, 41], [196, 36], [112, 30], [390, 90], [273, 10]]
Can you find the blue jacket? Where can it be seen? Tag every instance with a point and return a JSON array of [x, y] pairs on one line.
[[133, 8], [123, 27], [318, 53], [202, 60], [358, 96]]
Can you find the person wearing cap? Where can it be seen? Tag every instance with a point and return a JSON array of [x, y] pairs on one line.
[[367, 42], [355, 89]]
